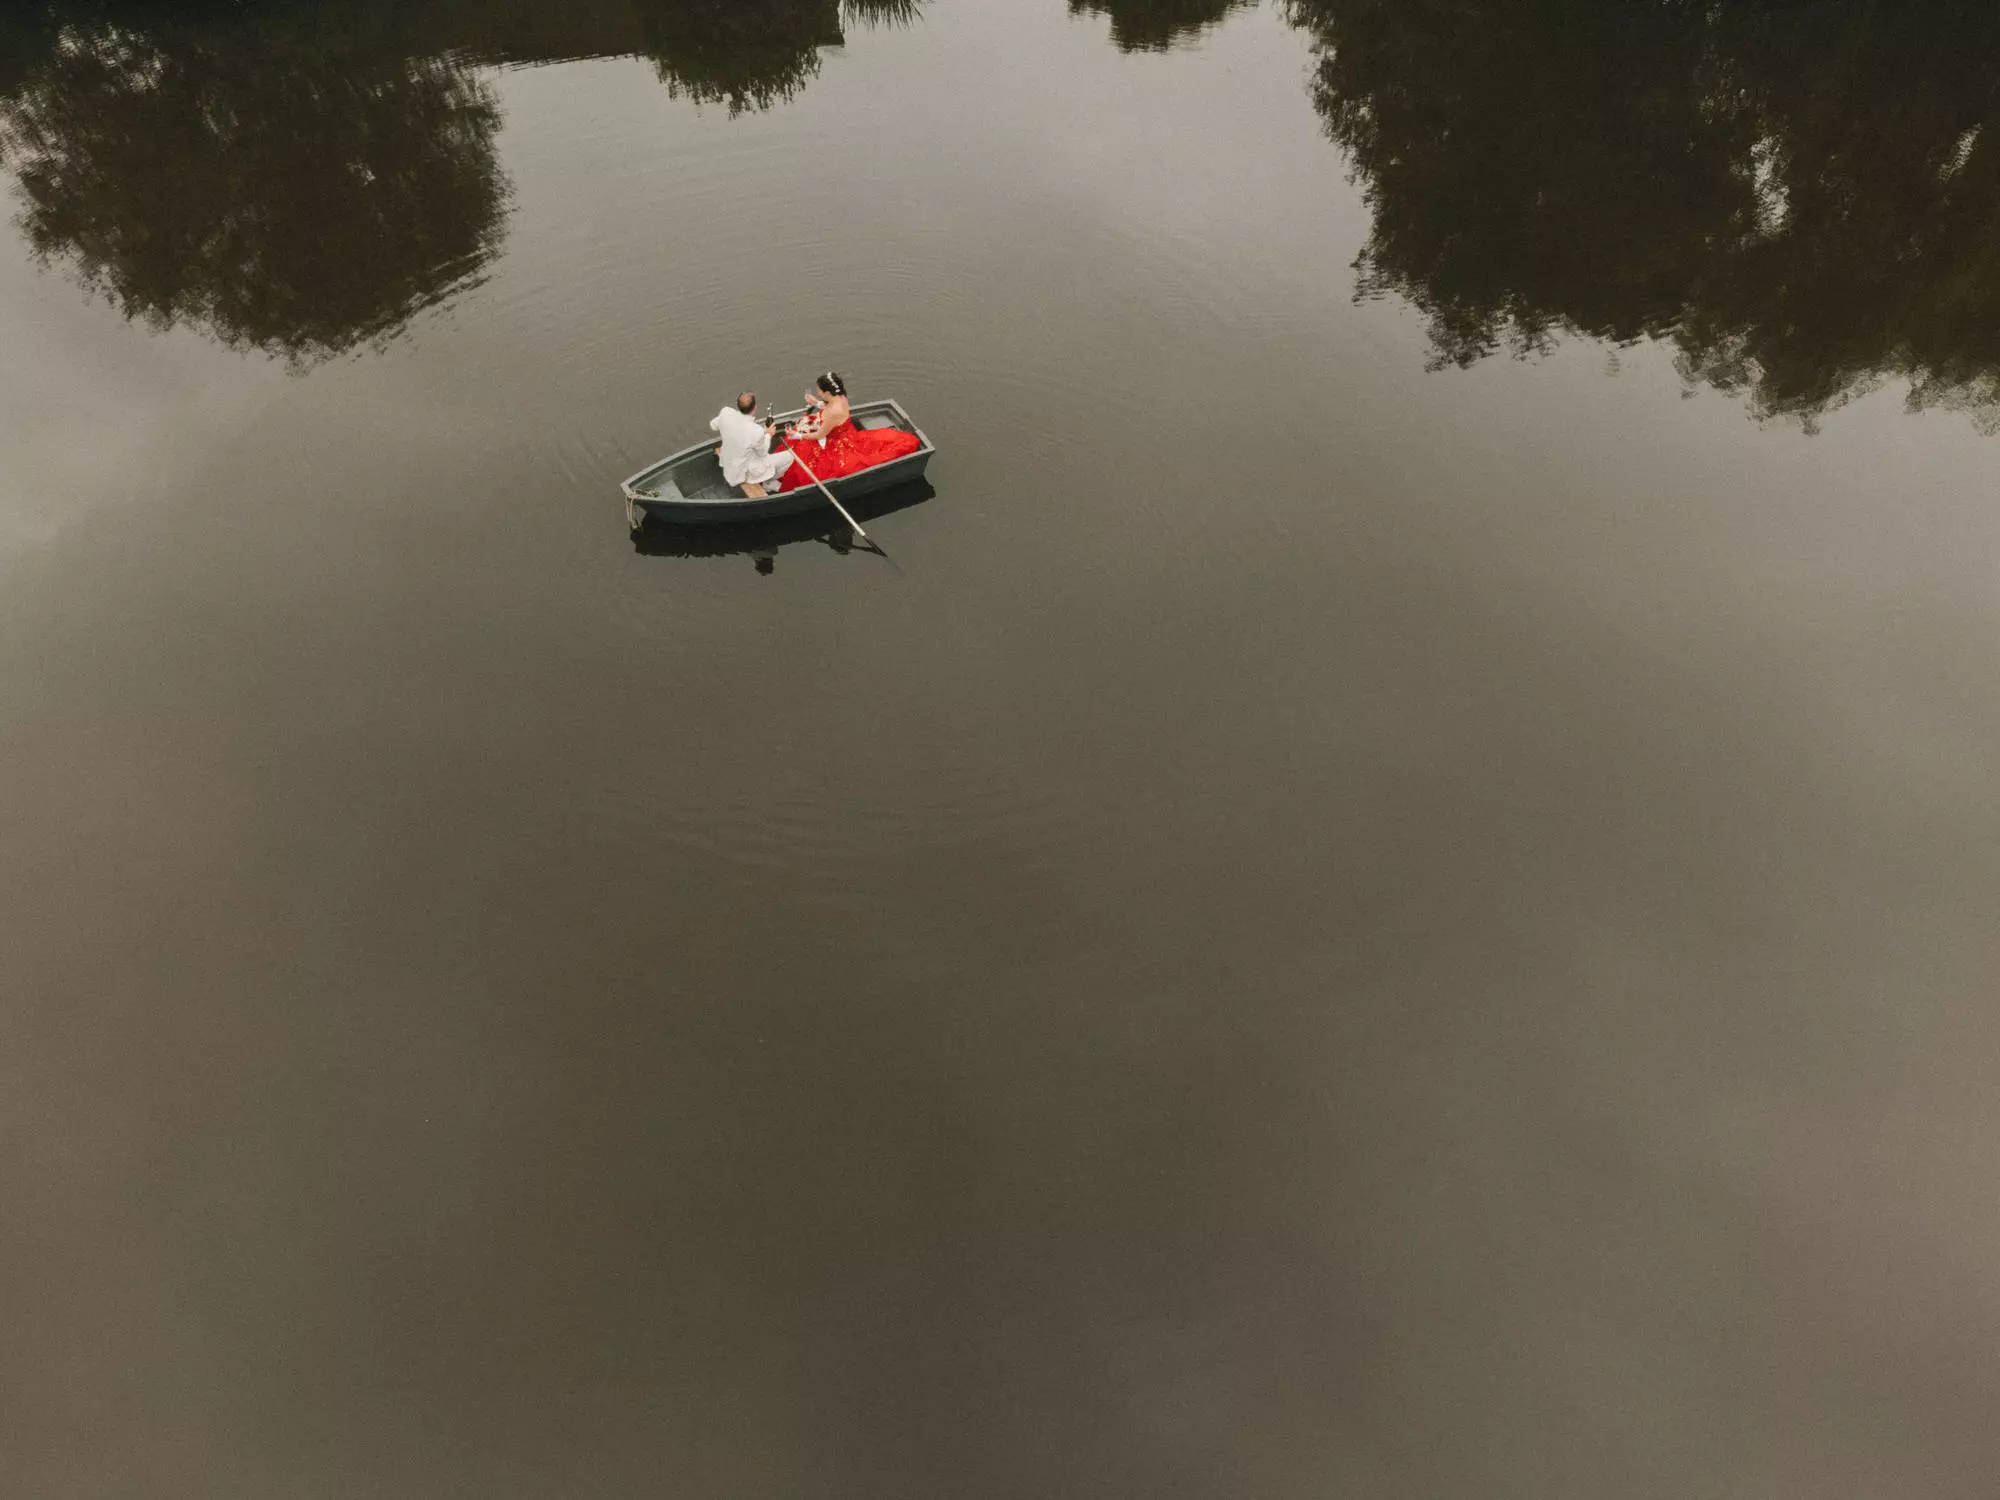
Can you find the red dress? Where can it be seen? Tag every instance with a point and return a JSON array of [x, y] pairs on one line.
[[848, 450]]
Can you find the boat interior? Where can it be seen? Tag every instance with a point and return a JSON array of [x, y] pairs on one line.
[[696, 474]]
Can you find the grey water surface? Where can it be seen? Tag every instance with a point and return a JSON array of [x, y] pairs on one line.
[[1394, 895]]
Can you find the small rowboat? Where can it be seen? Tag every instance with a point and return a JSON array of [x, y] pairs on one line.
[[688, 486]]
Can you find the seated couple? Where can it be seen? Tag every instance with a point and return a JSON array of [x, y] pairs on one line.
[[760, 459]]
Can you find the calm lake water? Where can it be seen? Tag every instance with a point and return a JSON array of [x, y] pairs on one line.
[[1391, 893]]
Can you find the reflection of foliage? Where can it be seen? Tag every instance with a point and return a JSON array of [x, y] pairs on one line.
[[752, 54], [1156, 25], [880, 12], [747, 54], [1804, 198], [284, 173], [26, 33], [281, 197]]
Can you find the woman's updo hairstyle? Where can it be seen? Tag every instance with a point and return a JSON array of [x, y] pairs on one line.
[[832, 384]]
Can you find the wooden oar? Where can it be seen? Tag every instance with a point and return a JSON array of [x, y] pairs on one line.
[[833, 502]]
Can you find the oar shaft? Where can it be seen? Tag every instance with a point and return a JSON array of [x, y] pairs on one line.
[[831, 501]]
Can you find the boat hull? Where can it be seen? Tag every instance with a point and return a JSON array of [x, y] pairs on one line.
[[791, 502], [686, 488]]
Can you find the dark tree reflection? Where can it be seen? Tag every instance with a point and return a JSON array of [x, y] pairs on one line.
[[248, 181], [880, 13], [304, 176], [746, 54], [752, 54], [1805, 198], [1156, 25]]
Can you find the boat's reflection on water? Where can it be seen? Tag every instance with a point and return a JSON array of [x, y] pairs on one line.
[[761, 541]]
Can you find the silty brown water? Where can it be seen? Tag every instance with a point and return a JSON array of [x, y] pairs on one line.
[[1355, 915]]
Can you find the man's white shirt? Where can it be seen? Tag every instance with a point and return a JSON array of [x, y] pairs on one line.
[[746, 455]]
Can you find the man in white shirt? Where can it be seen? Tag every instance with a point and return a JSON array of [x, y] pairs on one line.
[[747, 459]]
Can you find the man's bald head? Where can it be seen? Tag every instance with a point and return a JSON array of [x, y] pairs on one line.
[[747, 402]]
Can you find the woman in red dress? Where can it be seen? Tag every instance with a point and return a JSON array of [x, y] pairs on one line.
[[828, 443]]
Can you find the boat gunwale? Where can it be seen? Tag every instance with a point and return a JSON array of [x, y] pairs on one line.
[[655, 503]]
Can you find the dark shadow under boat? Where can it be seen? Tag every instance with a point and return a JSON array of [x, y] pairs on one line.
[[761, 540]]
